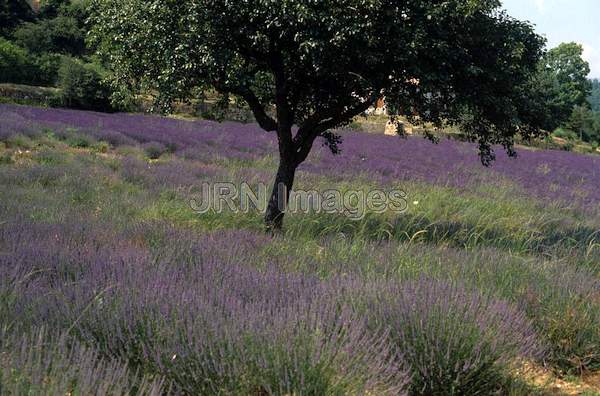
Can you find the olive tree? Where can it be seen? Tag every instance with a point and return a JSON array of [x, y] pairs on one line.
[[305, 67]]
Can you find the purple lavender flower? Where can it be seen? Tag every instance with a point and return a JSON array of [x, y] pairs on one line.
[[554, 176], [456, 341], [39, 363], [203, 321]]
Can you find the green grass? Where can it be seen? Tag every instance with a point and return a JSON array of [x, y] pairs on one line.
[[491, 237]]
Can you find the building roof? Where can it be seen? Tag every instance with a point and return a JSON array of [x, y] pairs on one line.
[[34, 4]]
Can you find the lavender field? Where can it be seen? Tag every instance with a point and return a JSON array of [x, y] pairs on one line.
[[111, 284]]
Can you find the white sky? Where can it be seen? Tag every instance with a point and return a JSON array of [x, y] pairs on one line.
[[564, 21]]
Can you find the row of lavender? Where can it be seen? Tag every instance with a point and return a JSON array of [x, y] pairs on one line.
[[195, 321], [554, 176], [43, 363], [193, 316]]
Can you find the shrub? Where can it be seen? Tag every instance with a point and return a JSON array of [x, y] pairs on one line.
[[49, 157], [569, 146], [51, 8], [565, 306], [233, 337], [79, 141], [566, 134], [82, 86], [171, 147], [67, 36], [13, 13], [20, 141], [572, 332], [16, 65], [12, 125], [5, 159], [48, 66], [34, 37], [57, 35], [74, 138], [75, 9], [456, 342], [209, 327], [101, 147], [39, 364], [154, 150]]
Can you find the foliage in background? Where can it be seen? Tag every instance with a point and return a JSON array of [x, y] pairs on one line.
[[52, 41], [71, 8], [563, 80], [585, 123], [563, 76], [15, 64], [82, 85], [13, 13], [60, 27], [58, 35], [594, 98]]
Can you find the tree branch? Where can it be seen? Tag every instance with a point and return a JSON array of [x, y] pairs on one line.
[[264, 120], [320, 123], [350, 113]]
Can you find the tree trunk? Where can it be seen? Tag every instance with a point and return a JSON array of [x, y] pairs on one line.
[[280, 195]]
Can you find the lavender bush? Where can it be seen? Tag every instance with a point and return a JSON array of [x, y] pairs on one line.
[[560, 298], [457, 342], [154, 150], [213, 327], [15, 124], [100, 244], [213, 138], [557, 177], [207, 327], [41, 364]]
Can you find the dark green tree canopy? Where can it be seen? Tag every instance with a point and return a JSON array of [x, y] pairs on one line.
[[60, 27], [317, 64], [594, 98], [12, 13], [565, 73], [58, 35]]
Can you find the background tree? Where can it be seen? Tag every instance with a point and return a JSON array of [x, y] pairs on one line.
[[59, 28], [305, 67], [564, 72], [82, 86], [594, 98], [15, 64], [52, 39], [52, 8], [584, 122], [58, 35], [12, 13]]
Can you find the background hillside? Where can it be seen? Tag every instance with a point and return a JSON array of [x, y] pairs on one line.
[[47, 48]]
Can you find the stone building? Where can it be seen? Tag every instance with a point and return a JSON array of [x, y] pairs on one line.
[[380, 108]]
